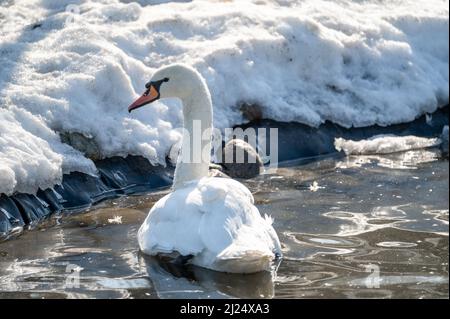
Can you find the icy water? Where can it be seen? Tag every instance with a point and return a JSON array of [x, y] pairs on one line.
[[356, 227]]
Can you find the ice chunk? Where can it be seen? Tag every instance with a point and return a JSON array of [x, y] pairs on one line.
[[384, 144]]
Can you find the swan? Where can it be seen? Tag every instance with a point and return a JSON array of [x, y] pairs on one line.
[[211, 222]]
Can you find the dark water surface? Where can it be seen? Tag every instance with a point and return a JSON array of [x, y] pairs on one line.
[[356, 227]]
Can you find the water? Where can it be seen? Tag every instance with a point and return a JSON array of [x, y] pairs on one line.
[[357, 227]]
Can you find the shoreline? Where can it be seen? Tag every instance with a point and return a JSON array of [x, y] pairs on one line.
[[135, 175]]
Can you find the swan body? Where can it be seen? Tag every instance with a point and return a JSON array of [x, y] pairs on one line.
[[212, 220]]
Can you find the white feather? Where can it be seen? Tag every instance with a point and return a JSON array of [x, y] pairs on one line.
[[225, 233]]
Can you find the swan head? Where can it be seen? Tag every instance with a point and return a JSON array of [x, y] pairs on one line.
[[172, 81]]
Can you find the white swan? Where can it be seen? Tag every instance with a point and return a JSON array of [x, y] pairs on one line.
[[212, 220]]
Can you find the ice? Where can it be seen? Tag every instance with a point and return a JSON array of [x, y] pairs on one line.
[[384, 144]]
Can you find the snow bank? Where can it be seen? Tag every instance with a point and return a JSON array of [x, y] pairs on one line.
[[76, 69], [34, 158], [384, 144]]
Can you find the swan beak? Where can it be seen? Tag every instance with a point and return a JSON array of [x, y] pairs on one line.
[[150, 95]]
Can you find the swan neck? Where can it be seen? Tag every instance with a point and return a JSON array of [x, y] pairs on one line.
[[195, 156]]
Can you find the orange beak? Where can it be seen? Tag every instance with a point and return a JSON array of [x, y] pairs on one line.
[[150, 95]]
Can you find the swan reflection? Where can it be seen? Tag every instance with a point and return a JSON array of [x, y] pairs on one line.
[[174, 280]]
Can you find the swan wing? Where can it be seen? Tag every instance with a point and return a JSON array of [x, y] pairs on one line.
[[223, 186], [172, 225], [235, 236], [216, 222]]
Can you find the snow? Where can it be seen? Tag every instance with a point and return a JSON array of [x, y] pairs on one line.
[[76, 69], [384, 144], [34, 158]]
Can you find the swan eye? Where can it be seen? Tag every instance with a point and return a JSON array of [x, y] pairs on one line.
[[156, 84]]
